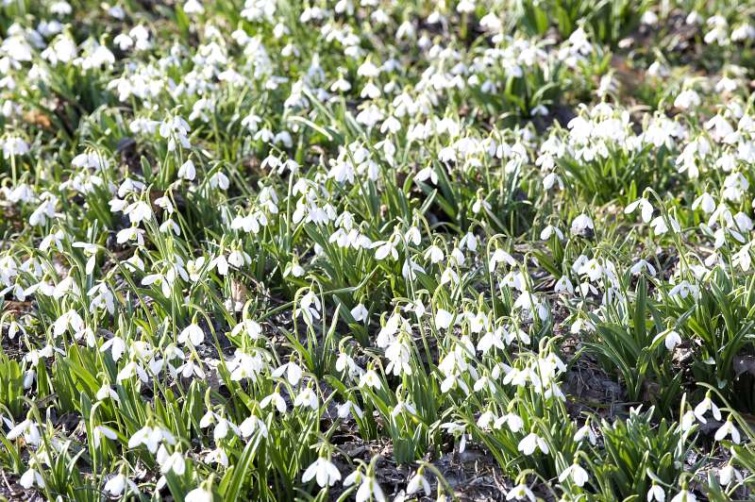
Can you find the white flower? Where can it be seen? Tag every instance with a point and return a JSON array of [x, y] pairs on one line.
[[324, 471], [417, 483], [706, 405], [193, 7], [30, 478], [360, 313], [520, 492], [120, 485], [530, 443], [138, 212], [428, 173], [646, 209], [171, 462], [187, 171], [151, 437], [687, 99], [250, 328], [586, 431], [660, 226], [369, 489], [29, 430], [101, 431], [309, 307], [443, 319], [501, 256], [276, 400], [253, 424], [307, 397], [684, 496], [385, 249], [685, 289], [728, 429], [581, 224], [656, 493], [672, 339], [728, 473], [199, 495], [642, 265], [193, 334], [550, 230], [292, 371], [106, 392], [577, 473]]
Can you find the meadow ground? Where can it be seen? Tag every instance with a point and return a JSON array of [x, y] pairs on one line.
[[277, 250]]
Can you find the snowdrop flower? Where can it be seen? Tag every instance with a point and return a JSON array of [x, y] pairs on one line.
[[672, 339], [586, 431], [642, 265], [187, 171], [685, 289], [593, 269], [434, 254], [425, 174], [491, 339], [307, 398], [687, 99], [292, 371], [385, 249], [480, 204], [151, 437], [658, 70], [324, 471], [220, 180], [660, 226], [119, 486], [417, 483], [349, 408], [117, 347], [192, 334], [193, 7], [684, 496], [530, 443], [217, 456], [576, 472], [409, 270], [174, 462], [550, 230], [728, 429], [369, 489], [501, 256], [656, 493], [687, 421], [251, 425], [443, 319], [582, 225], [276, 400], [138, 212], [13, 146], [719, 34], [309, 307], [29, 430], [704, 407], [521, 492], [728, 473], [646, 209], [743, 32], [31, 478], [101, 431], [199, 495], [360, 313], [735, 186]]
